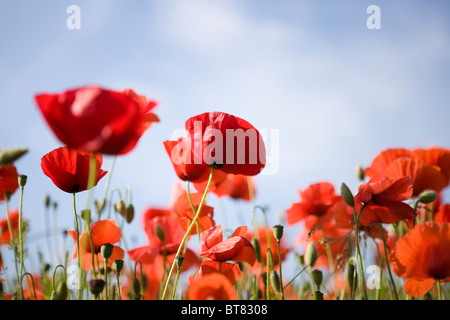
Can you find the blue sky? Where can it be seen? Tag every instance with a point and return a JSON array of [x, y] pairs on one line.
[[338, 92]]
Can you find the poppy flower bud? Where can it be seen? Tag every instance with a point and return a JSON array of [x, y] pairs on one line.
[[118, 266], [319, 295], [106, 250], [22, 180], [300, 259], [159, 231], [179, 261], [310, 254], [360, 172], [278, 232], [7, 195], [86, 215], [347, 195], [121, 208], [269, 259], [8, 156], [264, 278], [61, 292], [317, 277], [100, 205], [47, 201], [137, 288], [275, 281], [129, 213], [427, 196], [96, 286], [257, 247], [352, 276]]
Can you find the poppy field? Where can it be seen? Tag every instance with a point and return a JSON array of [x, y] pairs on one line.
[[387, 240]]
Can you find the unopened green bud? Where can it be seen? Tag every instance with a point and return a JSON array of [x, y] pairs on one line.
[[118, 265], [22, 180], [264, 278], [121, 208], [275, 281], [317, 277], [427, 196], [100, 205], [269, 259], [160, 233], [360, 172], [300, 259], [179, 261], [106, 250], [8, 156], [257, 247], [278, 232], [347, 195], [310, 254], [47, 201], [86, 215], [130, 213], [319, 295], [96, 286], [352, 276], [61, 291], [137, 288]]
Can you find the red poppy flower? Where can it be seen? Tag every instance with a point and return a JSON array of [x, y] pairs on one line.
[[214, 286], [69, 169], [8, 180], [98, 120], [422, 256], [443, 213], [151, 255], [235, 186], [186, 166], [236, 248], [428, 168], [230, 270], [185, 213], [103, 231], [316, 201], [226, 142], [5, 236], [384, 200]]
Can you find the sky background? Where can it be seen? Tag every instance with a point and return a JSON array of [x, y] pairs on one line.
[[337, 92]]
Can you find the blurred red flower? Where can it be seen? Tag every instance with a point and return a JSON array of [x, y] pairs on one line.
[[422, 256], [98, 120], [428, 168], [235, 186], [69, 169], [103, 231], [213, 286], [185, 212], [231, 270], [8, 180], [5, 236], [443, 213], [383, 199], [315, 206]]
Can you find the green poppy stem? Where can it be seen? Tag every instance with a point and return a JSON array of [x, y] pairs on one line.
[[387, 262], [186, 235]]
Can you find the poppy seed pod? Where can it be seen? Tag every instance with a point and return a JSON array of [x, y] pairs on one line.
[[427, 196], [106, 250], [310, 254], [347, 195], [179, 261], [278, 232], [118, 266], [96, 286], [22, 180], [8, 156]]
